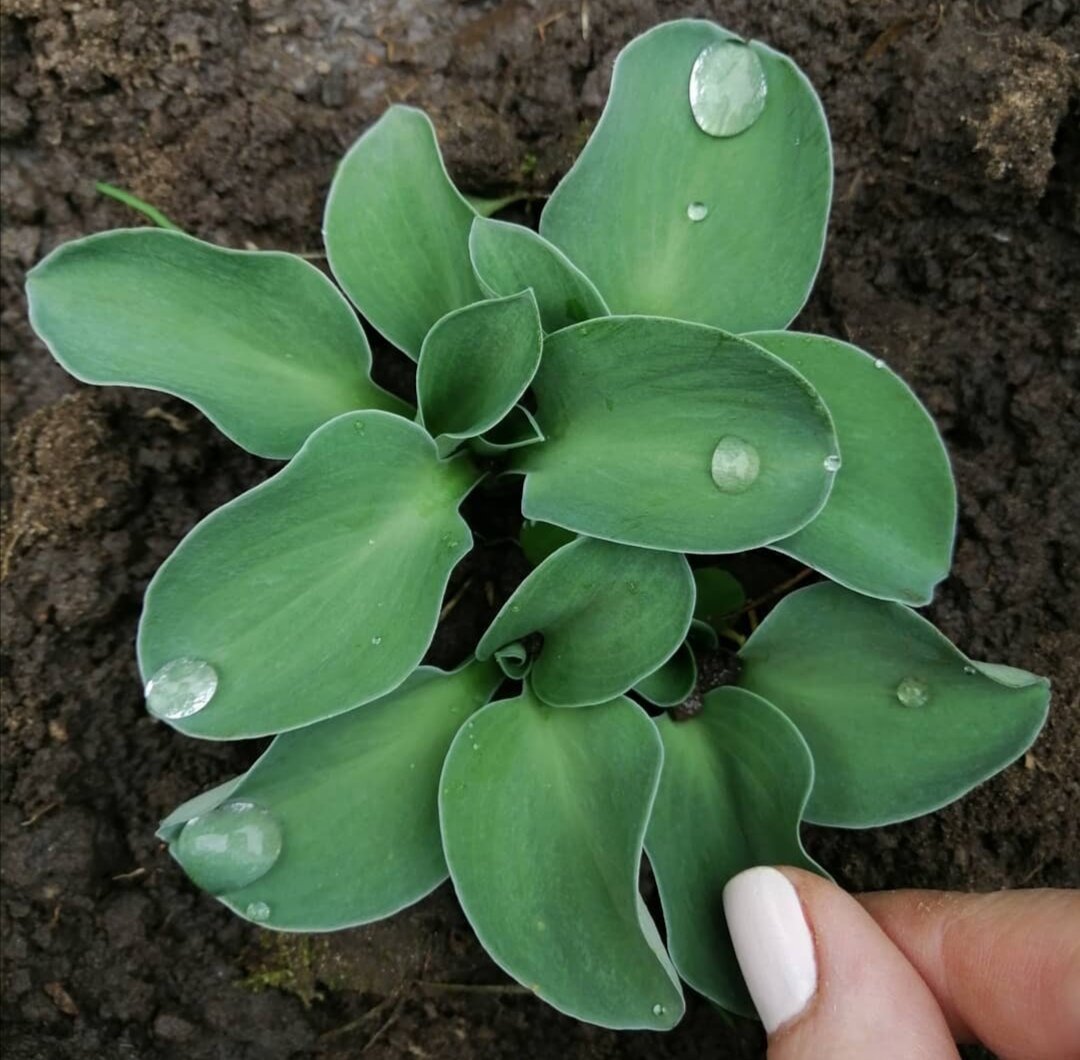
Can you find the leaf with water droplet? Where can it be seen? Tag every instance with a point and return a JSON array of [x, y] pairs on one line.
[[736, 464], [621, 214], [150, 308], [598, 639], [675, 436], [356, 798], [397, 230], [476, 363], [697, 211], [728, 88], [181, 688], [888, 527], [735, 780], [266, 587], [229, 847], [510, 258], [600, 958], [837, 664]]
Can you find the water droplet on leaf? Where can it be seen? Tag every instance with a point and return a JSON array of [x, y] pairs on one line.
[[912, 692], [697, 211], [181, 688], [229, 847], [257, 911], [970, 670], [879, 363], [658, 1009], [727, 88], [832, 463], [735, 464], [376, 641]]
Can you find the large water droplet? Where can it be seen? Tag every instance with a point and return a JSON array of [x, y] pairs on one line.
[[658, 1009], [912, 692], [727, 88], [257, 911], [735, 464], [229, 847], [832, 463], [697, 211], [181, 688]]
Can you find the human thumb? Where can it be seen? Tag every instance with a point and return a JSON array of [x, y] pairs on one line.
[[826, 981]]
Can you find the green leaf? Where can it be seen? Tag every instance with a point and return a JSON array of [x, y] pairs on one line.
[[261, 342], [397, 230], [202, 803], [547, 872], [508, 258], [623, 214], [735, 780], [517, 429], [675, 436], [356, 799], [888, 527], [673, 681], [609, 615], [475, 363], [318, 590], [719, 596], [539, 540], [486, 207], [899, 722]]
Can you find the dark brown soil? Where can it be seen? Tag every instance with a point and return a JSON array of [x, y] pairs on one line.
[[954, 252]]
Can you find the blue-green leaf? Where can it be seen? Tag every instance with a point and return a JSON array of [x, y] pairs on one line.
[[260, 341], [547, 871], [397, 230], [356, 801], [315, 592], [888, 527], [735, 780], [666, 219], [899, 722]]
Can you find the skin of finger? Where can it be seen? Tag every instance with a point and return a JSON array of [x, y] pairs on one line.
[[1004, 967], [869, 1002]]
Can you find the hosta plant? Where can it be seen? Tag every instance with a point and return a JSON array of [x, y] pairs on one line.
[[629, 363]]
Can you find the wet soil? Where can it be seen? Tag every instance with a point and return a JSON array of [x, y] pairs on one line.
[[953, 253]]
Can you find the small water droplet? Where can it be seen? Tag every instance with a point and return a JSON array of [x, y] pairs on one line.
[[970, 670], [359, 426], [735, 464], [632, 587], [181, 688], [879, 363], [371, 541], [658, 1009], [257, 911], [515, 608], [727, 88], [230, 846], [912, 692], [376, 641], [476, 747], [832, 463], [697, 211]]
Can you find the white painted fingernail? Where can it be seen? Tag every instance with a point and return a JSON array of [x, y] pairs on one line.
[[773, 943]]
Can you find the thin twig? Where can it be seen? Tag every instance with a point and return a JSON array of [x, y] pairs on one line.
[[474, 988], [776, 590], [455, 599]]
